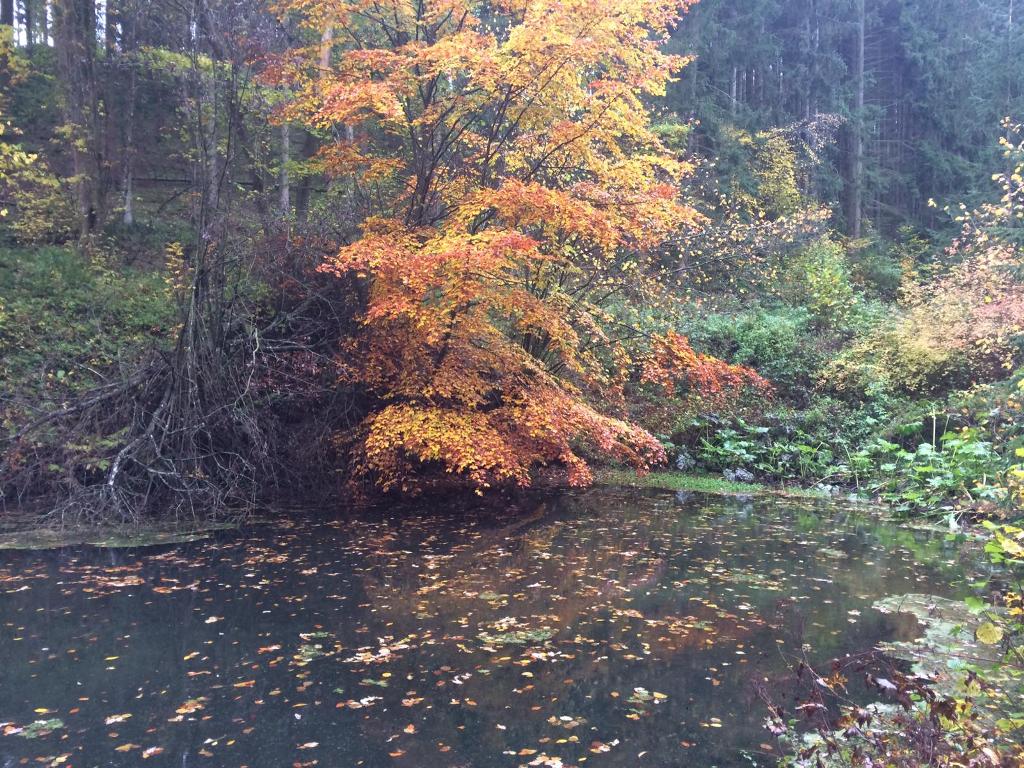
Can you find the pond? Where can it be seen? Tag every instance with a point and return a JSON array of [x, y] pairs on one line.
[[609, 627]]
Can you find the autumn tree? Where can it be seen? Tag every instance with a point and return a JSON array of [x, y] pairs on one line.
[[506, 179]]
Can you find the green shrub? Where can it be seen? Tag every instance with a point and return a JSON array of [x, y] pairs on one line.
[[780, 343], [927, 459], [818, 278], [962, 467], [877, 272], [779, 452]]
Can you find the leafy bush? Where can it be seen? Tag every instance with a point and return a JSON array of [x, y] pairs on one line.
[[905, 355], [41, 208], [818, 278], [780, 452], [864, 448], [962, 327], [877, 271], [780, 343], [963, 467]]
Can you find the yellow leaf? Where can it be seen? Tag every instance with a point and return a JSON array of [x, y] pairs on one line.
[[989, 634]]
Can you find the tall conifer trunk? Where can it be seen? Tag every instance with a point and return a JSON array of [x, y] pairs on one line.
[[856, 188]]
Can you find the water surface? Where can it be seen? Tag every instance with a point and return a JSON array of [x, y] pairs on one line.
[[604, 628]]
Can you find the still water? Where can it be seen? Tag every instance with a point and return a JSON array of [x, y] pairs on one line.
[[602, 628]]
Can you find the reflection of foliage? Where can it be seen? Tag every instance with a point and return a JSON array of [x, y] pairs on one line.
[[959, 706], [1006, 548], [920, 727]]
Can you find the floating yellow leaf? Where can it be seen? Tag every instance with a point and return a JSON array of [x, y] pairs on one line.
[[989, 634]]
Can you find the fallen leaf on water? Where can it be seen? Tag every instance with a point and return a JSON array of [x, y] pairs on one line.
[[190, 706]]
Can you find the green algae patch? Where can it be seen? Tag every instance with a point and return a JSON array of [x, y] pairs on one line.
[[518, 637], [676, 481], [34, 730], [685, 481], [949, 639], [953, 644]]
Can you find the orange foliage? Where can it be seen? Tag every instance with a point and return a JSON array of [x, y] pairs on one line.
[[507, 181], [675, 368]]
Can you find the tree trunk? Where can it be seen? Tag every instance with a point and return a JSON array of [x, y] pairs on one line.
[[129, 155], [127, 46], [856, 192], [732, 92], [1008, 109], [7, 12], [75, 41], [311, 143], [111, 18], [286, 151], [28, 18]]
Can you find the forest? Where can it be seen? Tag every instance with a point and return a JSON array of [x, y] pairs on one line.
[[486, 259]]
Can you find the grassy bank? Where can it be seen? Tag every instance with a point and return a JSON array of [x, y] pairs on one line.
[[669, 480], [66, 321]]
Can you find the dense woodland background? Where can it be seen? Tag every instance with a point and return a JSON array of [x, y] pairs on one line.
[[919, 87], [842, 291]]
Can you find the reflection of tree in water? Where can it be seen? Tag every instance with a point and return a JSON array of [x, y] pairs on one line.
[[548, 607]]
